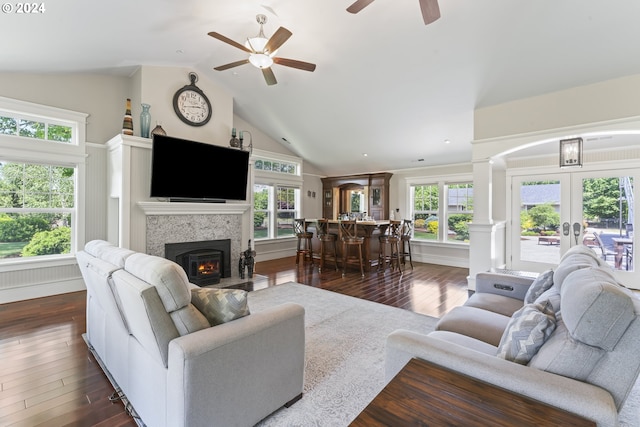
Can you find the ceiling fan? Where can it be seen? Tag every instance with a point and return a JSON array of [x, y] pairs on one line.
[[262, 52], [430, 9]]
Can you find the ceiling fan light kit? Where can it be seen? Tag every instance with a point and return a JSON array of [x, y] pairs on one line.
[[260, 60], [262, 52]]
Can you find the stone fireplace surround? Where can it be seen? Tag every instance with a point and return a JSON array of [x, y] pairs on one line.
[[175, 222]]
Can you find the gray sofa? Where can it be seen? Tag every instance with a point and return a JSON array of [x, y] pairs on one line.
[[169, 365], [569, 338]]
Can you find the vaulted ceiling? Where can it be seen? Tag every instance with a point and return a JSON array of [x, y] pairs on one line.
[[385, 84]]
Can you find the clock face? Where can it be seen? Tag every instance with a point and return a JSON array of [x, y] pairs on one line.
[[192, 106]]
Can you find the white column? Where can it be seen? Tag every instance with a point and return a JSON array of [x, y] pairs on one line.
[[482, 250]]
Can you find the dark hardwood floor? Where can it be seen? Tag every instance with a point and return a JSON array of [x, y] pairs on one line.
[[49, 378]]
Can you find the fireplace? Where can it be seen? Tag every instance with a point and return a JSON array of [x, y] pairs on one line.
[[205, 262]]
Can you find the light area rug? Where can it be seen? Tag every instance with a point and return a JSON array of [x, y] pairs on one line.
[[345, 350]]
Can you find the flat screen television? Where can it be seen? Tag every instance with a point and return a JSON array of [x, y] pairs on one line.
[[183, 170]]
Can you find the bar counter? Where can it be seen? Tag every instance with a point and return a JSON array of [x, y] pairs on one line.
[[370, 230]]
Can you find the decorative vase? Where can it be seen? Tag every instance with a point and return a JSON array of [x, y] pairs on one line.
[[127, 122], [158, 130], [145, 121]]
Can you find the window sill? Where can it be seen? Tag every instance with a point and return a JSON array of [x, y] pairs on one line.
[[434, 243], [17, 264]]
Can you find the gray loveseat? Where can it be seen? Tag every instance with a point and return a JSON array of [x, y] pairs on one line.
[[165, 359], [569, 338]]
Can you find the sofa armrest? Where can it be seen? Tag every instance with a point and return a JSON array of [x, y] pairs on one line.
[[239, 372], [571, 395], [503, 284]]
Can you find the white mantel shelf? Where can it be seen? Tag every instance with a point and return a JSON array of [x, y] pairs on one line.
[[185, 208]]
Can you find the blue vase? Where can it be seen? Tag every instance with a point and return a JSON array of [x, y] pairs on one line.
[[145, 121]]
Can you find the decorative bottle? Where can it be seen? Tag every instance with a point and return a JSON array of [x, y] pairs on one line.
[[127, 122], [158, 130], [145, 121]]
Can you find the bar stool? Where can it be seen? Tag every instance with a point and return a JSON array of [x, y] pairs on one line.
[[391, 239], [326, 239], [407, 234], [349, 237], [304, 240]]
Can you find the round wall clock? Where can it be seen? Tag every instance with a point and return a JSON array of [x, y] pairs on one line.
[[191, 104]]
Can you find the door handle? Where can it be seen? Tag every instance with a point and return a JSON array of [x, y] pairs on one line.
[[576, 230], [565, 228]]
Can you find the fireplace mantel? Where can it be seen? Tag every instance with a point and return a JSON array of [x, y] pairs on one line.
[[186, 208]]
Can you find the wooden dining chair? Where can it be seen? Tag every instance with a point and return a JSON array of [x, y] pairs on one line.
[[303, 248], [407, 235], [390, 240], [327, 241], [350, 239]]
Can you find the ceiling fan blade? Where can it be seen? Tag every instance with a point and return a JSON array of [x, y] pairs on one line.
[[231, 65], [430, 11], [269, 77], [277, 39], [359, 5], [306, 66], [229, 41]]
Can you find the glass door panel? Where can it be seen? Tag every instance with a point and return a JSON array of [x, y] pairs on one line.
[[537, 210], [607, 207]]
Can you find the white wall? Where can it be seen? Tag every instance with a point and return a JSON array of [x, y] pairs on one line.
[[607, 100], [101, 96]]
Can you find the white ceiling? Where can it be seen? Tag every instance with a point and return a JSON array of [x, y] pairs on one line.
[[385, 84]]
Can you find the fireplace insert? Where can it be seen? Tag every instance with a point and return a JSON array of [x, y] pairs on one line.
[[205, 262]]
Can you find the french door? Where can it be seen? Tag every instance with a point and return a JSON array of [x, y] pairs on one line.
[[551, 212]]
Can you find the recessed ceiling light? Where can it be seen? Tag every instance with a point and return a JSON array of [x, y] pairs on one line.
[[364, 154], [446, 141]]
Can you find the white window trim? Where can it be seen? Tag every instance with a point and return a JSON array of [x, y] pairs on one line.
[[22, 149], [442, 181], [276, 179]]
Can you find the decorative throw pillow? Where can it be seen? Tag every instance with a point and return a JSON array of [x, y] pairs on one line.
[[220, 305], [526, 332], [543, 282]]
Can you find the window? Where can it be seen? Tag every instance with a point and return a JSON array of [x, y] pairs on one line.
[[36, 209], [13, 124], [456, 214], [283, 201], [41, 171], [276, 195]]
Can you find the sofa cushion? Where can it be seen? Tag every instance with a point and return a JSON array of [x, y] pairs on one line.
[[596, 310], [475, 322], [541, 284], [565, 356], [493, 302], [107, 252], [526, 332], [572, 263], [582, 250], [168, 277], [465, 341], [220, 305]]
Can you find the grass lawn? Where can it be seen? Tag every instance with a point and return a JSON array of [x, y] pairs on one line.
[[11, 249]]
